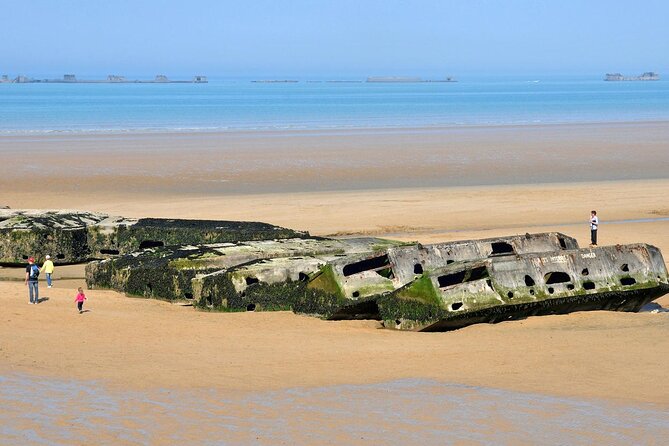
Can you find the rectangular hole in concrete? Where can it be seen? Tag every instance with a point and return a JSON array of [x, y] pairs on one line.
[[375, 263], [470, 275], [627, 281]]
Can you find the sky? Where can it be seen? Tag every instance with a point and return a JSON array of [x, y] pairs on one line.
[[338, 39]]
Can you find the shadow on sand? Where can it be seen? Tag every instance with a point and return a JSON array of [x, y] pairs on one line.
[[653, 307]]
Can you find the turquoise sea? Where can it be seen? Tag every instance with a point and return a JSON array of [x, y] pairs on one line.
[[223, 105]]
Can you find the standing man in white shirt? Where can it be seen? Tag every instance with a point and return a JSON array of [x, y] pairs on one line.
[[594, 223]]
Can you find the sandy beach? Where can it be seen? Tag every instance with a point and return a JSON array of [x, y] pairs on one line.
[[428, 186]]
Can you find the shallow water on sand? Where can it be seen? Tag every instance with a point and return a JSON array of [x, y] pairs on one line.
[[410, 411]]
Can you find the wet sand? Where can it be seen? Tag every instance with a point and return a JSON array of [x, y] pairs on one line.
[[129, 344], [183, 164], [400, 412]]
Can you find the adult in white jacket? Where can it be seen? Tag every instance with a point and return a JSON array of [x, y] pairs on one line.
[[594, 224]]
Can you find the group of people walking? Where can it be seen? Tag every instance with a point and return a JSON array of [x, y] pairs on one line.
[[32, 281]]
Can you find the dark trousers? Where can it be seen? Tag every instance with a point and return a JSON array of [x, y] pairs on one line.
[[80, 306], [593, 236]]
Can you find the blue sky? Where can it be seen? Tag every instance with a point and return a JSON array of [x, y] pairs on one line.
[[333, 38]]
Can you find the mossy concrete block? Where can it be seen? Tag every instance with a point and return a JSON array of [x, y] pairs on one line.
[[275, 284], [155, 232], [619, 278], [102, 237], [117, 235], [76, 236], [362, 276], [163, 272], [278, 278], [408, 285], [347, 283], [34, 233], [268, 284]]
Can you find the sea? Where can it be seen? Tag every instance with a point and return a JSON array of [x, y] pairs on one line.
[[241, 104]]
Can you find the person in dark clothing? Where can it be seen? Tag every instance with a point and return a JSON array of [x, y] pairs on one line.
[[32, 274]]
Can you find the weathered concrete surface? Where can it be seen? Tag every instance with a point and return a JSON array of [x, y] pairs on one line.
[[123, 236], [335, 278], [407, 285], [62, 234], [271, 284], [166, 272], [346, 285], [620, 278], [359, 278], [235, 266], [76, 236]]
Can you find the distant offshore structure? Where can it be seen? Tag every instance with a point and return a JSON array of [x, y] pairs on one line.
[[111, 79], [371, 79], [275, 81], [405, 79], [647, 76]]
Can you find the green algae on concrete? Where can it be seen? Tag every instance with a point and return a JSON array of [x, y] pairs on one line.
[[331, 278], [117, 235], [620, 278], [32, 233], [409, 286], [165, 274], [356, 281], [326, 282], [76, 236], [155, 232], [264, 285], [216, 292], [219, 274]]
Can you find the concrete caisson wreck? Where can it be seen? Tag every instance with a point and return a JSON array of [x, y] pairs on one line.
[[221, 273], [117, 235], [620, 278], [76, 236], [62, 234], [347, 285], [242, 266], [447, 285], [358, 278], [332, 278]]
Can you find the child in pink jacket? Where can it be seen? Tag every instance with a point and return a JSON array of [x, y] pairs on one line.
[[81, 297]]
